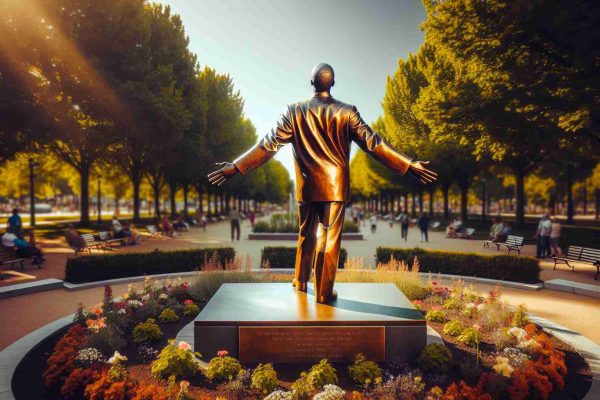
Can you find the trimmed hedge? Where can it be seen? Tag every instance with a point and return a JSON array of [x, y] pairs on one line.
[[285, 257], [112, 266], [500, 267]]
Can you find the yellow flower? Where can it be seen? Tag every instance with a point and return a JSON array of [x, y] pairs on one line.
[[436, 391], [378, 380], [367, 381], [418, 379]]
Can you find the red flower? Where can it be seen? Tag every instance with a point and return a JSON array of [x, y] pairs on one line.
[[188, 302], [222, 353], [434, 283]]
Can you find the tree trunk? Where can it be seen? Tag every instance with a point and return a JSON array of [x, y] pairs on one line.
[[172, 192], [208, 206], [483, 201], [464, 192], [420, 201], [520, 195], [431, 191], [156, 190], [584, 194], [406, 203], [136, 198], [185, 199], [570, 205], [413, 205], [200, 190], [84, 172], [597, 203], [227, 203]]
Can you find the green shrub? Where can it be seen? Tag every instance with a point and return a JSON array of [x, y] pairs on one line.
[[301, 388], [470, 337], [174, 360], [453, 328], [435, 316], [112, 266], [363, 371], [453, 303], [501, 267], [321, 374], [285, 257], [205, 285], [280, 223], [107, 340], [264, 378], [147, 331], [221, 369], [191, 310], [519, 318], [168, 316], [435, 358]]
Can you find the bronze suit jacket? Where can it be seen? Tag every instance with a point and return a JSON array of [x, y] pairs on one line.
[[321, 130]]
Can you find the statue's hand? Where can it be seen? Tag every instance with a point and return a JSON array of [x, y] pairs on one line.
[[226, 171], [419, 171]]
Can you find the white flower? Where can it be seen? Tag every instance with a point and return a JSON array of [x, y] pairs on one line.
[[480, 307], [470, 306], [279, 395], [145, 297], [134, 303], [89, 355], [330, 392], [122, 311], [140, 292], [517, 332], [163, 296], [116, 358], [528, 345], [502, 367]]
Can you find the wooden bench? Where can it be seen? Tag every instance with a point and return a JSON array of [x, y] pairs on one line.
[[90, 243], [580, 254], [511, 243], [8, 256], [434, 224], [107, 240]]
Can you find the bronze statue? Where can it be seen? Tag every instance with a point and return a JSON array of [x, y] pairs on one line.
[[321, 130]]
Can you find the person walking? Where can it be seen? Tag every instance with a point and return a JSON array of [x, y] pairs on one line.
[[555, 238], [423, 223], [15, 225], [543, 236], [234, 219], [404, 220], [373, 220], [252, 218]]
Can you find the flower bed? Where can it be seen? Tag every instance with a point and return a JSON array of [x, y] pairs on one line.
[[280, 223], [122, 348]]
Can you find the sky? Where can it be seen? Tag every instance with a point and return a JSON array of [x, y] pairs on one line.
[[269, 48]]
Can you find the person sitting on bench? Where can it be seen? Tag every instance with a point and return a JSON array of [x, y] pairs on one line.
[[495, 230], [27, 250], [73, 238]]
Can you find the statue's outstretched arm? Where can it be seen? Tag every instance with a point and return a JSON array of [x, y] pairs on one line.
[[259, 154], [376, 147]]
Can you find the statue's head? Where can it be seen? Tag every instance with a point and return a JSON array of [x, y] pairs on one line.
[[322, 77]]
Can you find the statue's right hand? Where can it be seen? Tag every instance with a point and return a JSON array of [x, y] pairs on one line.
[[226, 171]]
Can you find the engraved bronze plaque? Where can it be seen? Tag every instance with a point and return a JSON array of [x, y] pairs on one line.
[[291, 344]]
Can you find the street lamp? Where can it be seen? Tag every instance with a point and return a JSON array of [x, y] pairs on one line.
[[32, 165], [99, 201]]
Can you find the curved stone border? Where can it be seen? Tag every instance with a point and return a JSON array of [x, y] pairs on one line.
[[13, 354], [11, 357]]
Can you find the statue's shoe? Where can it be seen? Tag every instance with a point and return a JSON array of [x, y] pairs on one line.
[[294, 281], [326, 299], [302, 286]]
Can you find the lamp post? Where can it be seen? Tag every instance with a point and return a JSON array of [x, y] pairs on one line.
[[32, 165], [99, 201]]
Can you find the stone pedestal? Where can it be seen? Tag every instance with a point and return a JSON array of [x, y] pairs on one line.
[[271, 322]]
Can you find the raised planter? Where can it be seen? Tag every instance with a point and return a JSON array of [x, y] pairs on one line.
[[294, 236]]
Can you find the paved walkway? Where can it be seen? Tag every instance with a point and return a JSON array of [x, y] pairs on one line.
[[23, 314]]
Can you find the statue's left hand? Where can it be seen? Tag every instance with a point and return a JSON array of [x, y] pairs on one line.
[[419, 171], [226, 171]]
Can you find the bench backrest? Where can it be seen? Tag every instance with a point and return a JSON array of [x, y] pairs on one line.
[[469, 231], [574, 252], [151, 228], [88, 238], [6, 253], [514, 240], [590, 255], [104, 235], [434, 224]]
